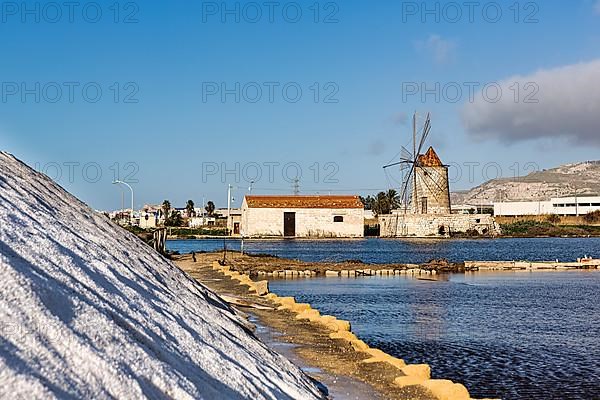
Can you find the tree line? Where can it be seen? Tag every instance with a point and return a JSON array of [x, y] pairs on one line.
[[382, 202], [174, 218]]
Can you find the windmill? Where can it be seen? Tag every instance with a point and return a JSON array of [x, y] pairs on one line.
[[425, 179]]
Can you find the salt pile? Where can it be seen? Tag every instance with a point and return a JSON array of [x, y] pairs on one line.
[[89, 311]]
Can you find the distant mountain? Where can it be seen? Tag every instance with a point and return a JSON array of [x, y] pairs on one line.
[[566, 180]]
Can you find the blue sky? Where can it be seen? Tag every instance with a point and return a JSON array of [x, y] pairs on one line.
[[162, 123]]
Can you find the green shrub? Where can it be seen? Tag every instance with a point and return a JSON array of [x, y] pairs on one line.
[[592, 217]]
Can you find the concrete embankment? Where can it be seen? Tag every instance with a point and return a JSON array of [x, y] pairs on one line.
[[328, 342], [268, 267], [529, 265]]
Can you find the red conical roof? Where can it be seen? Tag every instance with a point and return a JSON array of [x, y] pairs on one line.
[[430, 159]]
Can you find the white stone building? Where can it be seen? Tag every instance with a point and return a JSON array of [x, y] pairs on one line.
[[304, 216], [200, 221], [148, 220], [580, 205], [400, 224]]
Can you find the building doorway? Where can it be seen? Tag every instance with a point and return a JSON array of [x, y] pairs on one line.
[[236, 228], [289, 224], [423, 205]]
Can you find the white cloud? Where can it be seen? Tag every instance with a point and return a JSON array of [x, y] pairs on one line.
[[441, 50], [568, 107]]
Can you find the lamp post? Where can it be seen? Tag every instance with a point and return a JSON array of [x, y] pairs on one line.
[[229, 187], [130, 188]]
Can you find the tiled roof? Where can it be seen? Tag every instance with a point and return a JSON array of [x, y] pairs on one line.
[[430, 159], [303, 201]]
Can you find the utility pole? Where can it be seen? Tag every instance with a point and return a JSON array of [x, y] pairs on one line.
[[228, 209], [296, 187], [131, 219]]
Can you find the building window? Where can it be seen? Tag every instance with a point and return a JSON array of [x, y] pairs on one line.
[[338, 218]]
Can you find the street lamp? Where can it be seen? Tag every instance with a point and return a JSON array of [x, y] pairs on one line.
[[130, 188], [229, 187]]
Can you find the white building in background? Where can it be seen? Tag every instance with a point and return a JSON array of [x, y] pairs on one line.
[[224, 212], [148, 220], [302, 216], [199, 221], [579, 205]]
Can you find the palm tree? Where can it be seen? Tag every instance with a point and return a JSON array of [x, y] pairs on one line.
[[393, 199], [210, 208], [174, 219], [166, 208], [189, 209], [381, 204], [368, 201]]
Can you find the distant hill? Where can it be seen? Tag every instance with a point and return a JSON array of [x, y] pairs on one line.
[[566, 180]]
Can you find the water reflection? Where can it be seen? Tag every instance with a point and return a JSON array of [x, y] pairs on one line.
[[504, 335]]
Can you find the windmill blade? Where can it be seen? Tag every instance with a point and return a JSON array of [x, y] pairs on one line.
[[405, 166], [437, 193], [424, 180], [405, 154], [396, 163], [407, 179], [425, 134], [391, 180], [395, 181]]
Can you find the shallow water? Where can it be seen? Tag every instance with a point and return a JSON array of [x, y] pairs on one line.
[[504, 335], [406, 251], [337, 387], [510, 335]]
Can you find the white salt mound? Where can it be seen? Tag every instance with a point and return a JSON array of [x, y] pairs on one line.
[[89, 311]]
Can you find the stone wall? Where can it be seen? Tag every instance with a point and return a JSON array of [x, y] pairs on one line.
[[310, 222], [436, 225], [432, 184]]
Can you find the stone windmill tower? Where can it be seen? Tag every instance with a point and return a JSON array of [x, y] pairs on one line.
[[426, 188], [431, 190]]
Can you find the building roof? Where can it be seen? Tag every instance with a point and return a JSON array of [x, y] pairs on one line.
[[304, 201], [430, 159]]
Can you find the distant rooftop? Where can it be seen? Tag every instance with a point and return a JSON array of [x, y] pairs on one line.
[[304, 201]]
